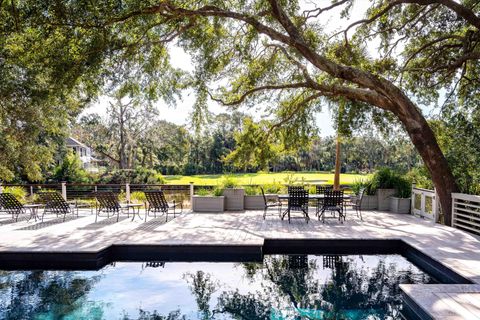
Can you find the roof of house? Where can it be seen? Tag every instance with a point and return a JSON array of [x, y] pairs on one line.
[[72, 142]]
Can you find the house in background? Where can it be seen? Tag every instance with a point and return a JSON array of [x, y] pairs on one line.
[[84, 152]]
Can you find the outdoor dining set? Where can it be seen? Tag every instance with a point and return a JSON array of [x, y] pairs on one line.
[[325, 199], [107, 204]]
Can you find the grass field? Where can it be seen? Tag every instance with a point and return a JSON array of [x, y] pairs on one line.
[[266, 178]]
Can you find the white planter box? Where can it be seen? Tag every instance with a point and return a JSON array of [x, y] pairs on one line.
[[234, 199], [369, 202], [254, 203], [400, 205], [384, 198], [208, 204]]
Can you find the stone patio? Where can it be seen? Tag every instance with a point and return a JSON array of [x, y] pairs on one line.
[[455, 249]]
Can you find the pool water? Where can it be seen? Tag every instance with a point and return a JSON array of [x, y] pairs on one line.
[[283, 287]]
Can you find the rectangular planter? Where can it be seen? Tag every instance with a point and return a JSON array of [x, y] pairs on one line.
[[384, 198], [400, 205], [208, 204], [254, 203], [234, 199], [369, 202]]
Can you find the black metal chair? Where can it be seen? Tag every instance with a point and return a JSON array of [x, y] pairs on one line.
[[297, 201], [269, 203], [11, 205], [108, 202], [320, 189], [295, 188], [356, 203], [157, 203], [333, 201], [54, 203]]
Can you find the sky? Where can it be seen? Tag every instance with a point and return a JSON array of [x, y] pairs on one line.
[[181, 59]]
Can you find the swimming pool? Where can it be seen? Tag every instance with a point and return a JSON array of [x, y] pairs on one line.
[[282, 287]]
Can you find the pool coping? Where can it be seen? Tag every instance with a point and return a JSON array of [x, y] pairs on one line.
[[93, 260]]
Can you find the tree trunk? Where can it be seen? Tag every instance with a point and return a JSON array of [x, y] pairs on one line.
[[122, 152], [336, 179], [426, 144]]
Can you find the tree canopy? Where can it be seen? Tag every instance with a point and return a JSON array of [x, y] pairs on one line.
[[242, 49]]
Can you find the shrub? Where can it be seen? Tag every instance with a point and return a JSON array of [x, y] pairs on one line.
[[18, 192], [273, 188], [134, 176], [357, 185], [71, 170], [218, 191], [252, 190], [203, 192], [228, 182], [383, 179], [403, 186], [138, 197], [420, 177]]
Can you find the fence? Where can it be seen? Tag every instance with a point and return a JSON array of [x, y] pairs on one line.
[[76, 191], [424, 203], [466, 212]]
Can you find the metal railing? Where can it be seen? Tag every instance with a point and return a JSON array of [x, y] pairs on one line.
[[466, 212], [128, 192]]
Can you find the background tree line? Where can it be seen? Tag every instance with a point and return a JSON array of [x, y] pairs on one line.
[[131, 135]]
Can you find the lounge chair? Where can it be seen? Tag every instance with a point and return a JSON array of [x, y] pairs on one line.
[[333, 202], [269, 203], [11, 205], [157, 203], [54, 203], [109, 204]]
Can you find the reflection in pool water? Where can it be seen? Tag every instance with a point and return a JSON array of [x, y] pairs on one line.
[[282, 287]]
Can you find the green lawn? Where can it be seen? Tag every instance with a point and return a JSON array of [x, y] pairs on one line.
[[265, 178]]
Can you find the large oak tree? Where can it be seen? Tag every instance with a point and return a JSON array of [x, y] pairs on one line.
[[247, 48]]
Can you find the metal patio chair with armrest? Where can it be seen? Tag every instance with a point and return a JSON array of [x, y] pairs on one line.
[[108, 203], [54, 203], [157, 203], [333, 201], [297, 201], [11, 205], [356, 203], [269, 203]]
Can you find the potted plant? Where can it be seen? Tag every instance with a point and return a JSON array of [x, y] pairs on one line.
[[234, 197], [208, 200], [253, 198], [383, 182], [401, 201], [370, 199]]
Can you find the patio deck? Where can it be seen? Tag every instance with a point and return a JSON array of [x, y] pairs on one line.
[[453, 248]]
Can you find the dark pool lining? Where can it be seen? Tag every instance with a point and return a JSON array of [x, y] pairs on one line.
[[224, 253]]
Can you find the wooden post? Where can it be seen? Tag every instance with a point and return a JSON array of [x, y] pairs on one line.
[[191, 193], [64, 190], [412, 205], [127, 192]]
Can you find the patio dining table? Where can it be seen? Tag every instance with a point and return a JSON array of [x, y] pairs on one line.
[[312, 196]]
